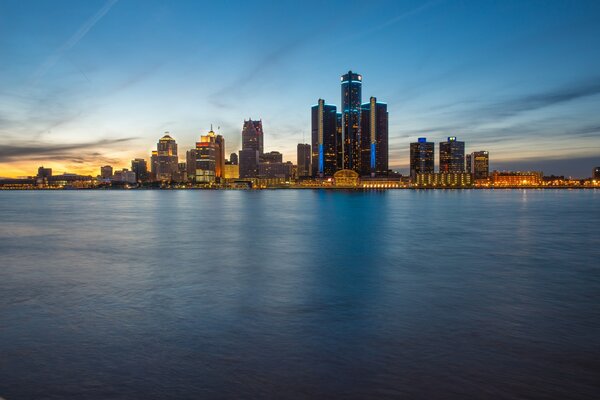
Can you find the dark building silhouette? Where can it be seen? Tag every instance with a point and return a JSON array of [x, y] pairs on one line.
[[351, 126], [249, 159], [44, 172], [233, 159], [339, 141], [374, 138], [271, 157], [324, 135], [452, 155], [106, 172], [140, 168], [596, 173], [252, 136], [303, 160], [421, 157]]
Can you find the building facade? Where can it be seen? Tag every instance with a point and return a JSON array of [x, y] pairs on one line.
[[140, 169], [422, 156], [452, 156], [253, 136], [249, 160], [166, 158], [324, 139], [303, 158], [443, 180], [351, 124], [374, 138], [478, 164]]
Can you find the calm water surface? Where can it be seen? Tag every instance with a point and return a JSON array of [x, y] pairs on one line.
[[300, 294]]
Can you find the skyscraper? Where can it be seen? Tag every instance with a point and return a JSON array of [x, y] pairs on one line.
[[140, 168], [452, 155], [233, 159], [252, 136], [303, 160], [209, 160], [167, 160], [478, 164], [374, 138], [351, 126], [596, 173], [339, 138], [421, 157], [248, 163], [324, 144]]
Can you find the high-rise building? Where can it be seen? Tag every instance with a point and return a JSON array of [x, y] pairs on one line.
[[153, 164], [339, 141], [374, 138], [106, 172], [233, 159], [303, 160], [478, 164], [351, 126], [140, 168], [421, 157], [324, 143], [167, 159], [596, 173], [452, 155], [208, 158], [248, 167], [252, 136]]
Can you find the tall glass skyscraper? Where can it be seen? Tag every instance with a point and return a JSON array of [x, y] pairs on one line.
[[303, 160], [324, 135], [421, 157], [374, 138], [452, 155], [351, 127], [252, 136]]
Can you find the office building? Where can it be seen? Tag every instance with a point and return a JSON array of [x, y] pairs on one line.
[[153, 164], [124, 176], [351, 125], [324, 143], [275, 170], [421, 157], [518, 178], [106, 172], [208, 159], [478, 164], [452, 156], [232, 171], [596, 173], [303, 160], [140, 168], [233, 159], [44, 172], [271, 157], [339, 141], [252, 136], [374, 138], [166, 158], [248, 163]]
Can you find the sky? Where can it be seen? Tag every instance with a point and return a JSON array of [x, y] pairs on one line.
[[96, 82]]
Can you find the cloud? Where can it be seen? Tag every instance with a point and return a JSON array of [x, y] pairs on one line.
[[37, 151], [72, 41]]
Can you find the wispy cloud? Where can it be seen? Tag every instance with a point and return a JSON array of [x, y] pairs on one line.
[[38, 151], [72, 41]]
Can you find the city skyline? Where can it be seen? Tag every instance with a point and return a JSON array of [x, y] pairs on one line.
[[75, 96]]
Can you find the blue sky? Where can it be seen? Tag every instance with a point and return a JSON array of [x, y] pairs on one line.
[[86, 83]]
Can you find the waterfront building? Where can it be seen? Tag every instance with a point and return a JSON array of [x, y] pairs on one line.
[[140, 168], [233, 159], [252, 136], [303, 160], [248, 163], [232, 171], [106, 172], [339, 141], [374, 138], [208, 158], [346, 178], [518, 178], [421, 157], [596, 173], [44, 172], [324, 139], [124, 176], [452, 155], [351, 125], [153, 164], [443, 180], [166, 158], [275, 170], [478, 164]]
